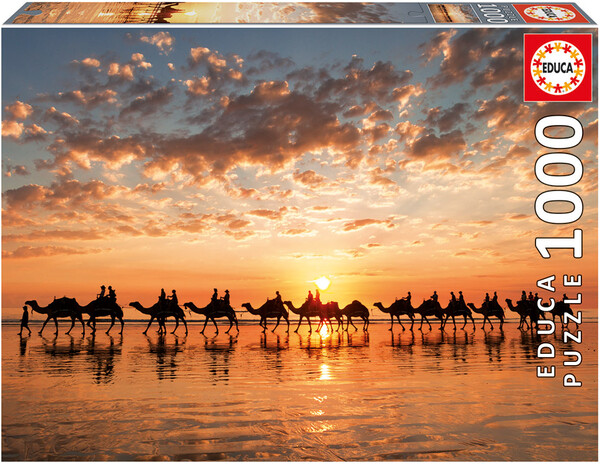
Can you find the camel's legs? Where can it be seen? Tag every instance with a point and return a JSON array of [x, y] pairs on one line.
[[392, 319], [230, 325], [216, 327], [276, 325], [44, 325], [112, 323], [501, 322], [151, 319], [72, 325], [236, 325], [465, 324], [350, 322], [56, 325], [185, 325], [412, 322], [490, 321], [205, 322], [299, 322], [399, 322], [366, 324], [176, 325], [473, 321], [288, 325]]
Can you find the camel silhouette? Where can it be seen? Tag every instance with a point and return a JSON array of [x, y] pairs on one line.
[[215, 310], [102, 307], [397, 309], [156, 311], [356, 309], [525, 309], [458, 308], [430, 308], [560, 309], [307, 310], [59, 308], [327, 311], [487, 310], [270, 309]]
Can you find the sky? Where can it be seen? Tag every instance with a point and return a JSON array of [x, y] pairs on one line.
[[259, 160]]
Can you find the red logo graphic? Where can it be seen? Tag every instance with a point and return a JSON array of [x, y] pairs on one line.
[[557, 67], [550, 14]]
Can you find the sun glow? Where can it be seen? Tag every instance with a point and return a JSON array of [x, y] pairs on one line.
[[323, 283]]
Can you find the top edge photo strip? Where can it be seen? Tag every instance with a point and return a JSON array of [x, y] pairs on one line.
[[282, 13]]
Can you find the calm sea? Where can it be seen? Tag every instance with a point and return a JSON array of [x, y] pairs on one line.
[[451, 395]]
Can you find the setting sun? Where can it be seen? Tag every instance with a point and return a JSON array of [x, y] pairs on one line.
[[323, 283]]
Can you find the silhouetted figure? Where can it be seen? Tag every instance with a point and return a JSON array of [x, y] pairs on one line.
[[523, 296], [111, 293], [461, 298], [278, 298], [163, 295], [174, 300], [487, 298], [453, 297], [536, 296], [565, 297], [102, 292], [25, 321], [310, 297], [215, 296], [434, 297], [226, 298], [495, 298], [408, 297], [531, 296], [317, 296]]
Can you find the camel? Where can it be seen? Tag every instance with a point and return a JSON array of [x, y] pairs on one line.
[[156, 312], [525, 309], [560, 309], [356, 309], [213, 311], [327, 311], [491, 309], [102, 307], [455, 309], [398, 308], [59, 308], [269, 309], [307, 310], [430, 308]]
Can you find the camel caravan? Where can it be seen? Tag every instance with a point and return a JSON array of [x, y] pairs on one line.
[[312, 308]]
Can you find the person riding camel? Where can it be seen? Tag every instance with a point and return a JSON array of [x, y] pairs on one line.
[[434, 297], [565, 297], [173, 298], [531, 296], [112, 294], [317, 296], [310, 297], [523, 296], [486, 301], [225, 298], [461, 298], [102, 292], [278, 301], [495, 298], [452, 297], [407, 297], [215, 296]]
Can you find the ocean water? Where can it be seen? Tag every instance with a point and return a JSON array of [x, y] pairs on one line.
[[381, 395]]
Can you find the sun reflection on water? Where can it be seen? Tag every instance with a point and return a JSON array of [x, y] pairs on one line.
[[325, 375]]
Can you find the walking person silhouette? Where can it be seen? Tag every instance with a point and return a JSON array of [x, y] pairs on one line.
[[25, 321]]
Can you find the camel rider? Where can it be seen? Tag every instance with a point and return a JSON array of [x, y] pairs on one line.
[[531, 296], [536, 297], [226, 298], [452, 297], [487, 298], [215, 296], [495, 298], [523, 296], [565, 297], [310, 297], [174, 300], [317, 296], [434, 297], [408, 297], [102, 292], [461, 298], [277, 299], [111, 293]]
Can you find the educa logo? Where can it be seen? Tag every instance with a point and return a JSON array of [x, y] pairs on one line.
[[557, 67], [550, 13]]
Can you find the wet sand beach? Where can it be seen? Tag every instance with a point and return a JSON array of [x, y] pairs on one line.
[[451, 395]]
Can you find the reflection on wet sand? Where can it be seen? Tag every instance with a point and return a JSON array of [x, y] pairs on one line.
[[305, 396]]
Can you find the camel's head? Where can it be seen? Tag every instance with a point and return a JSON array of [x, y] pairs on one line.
[[134, 303], [187, 305], [246, 305], [31, 303], [378, 304]]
